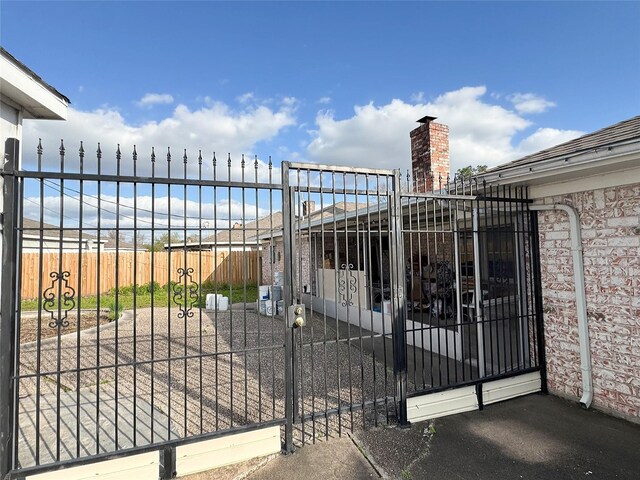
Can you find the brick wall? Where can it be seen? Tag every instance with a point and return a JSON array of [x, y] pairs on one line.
[[610, 220]]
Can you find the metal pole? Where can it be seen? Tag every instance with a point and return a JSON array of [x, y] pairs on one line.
[[399, 320], [478, 291], [537, 295], [287, 219], [8, 297]]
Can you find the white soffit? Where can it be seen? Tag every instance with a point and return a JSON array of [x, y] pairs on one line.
[[28, 93]]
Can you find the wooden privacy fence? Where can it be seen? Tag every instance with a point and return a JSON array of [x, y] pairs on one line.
[[225, 267]]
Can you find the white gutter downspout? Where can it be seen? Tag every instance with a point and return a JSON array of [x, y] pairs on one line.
[[581, 302]]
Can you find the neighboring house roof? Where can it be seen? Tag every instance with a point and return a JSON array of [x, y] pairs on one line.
[[605, 137], [32, 228], [247, 233], [111, 244], [29, 91]]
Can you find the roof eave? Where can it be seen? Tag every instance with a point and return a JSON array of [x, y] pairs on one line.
[[614, 156]]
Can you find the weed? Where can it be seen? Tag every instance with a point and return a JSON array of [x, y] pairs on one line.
[[115, 309]]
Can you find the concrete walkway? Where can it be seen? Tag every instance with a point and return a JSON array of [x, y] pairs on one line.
[[533, 437]]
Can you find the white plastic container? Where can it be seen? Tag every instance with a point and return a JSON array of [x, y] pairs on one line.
[[267, 307], [263, 292], [212, 300], [275, 293], [223, 304]]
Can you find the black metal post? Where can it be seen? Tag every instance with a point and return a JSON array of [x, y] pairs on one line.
[[287, 219], [537, 295], [399, 320], [8, 297], [168, 463]]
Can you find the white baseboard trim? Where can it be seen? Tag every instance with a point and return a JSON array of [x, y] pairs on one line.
[[511, 387], [434, 405], [141, 467], [210, 454]]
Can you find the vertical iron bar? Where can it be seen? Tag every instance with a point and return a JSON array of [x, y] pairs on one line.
[[79, 287], [336, 296], [98, 303], [169, 299], [244, 291], [537, 293], [135, 299], [185, 288], [117, 298], [59, 297], [478, 291], [287, 218], [40, 291], [399, 318], [215, 284], [200, 293], [229, 278], [153, 283], [324, 311]]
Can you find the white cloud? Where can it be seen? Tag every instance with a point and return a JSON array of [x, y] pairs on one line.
[[530, 103], [378, 136], [245, 98], [545, 138], [215, 127], [150, 99], [324, 100], [417, 97]]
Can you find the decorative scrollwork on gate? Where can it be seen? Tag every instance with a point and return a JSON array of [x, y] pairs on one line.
[[59, 299], [185, 293], [347, 285]]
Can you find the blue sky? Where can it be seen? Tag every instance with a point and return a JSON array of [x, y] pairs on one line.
[[318, 81], [336, 83]]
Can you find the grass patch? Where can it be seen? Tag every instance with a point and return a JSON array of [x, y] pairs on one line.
[[160, 295]]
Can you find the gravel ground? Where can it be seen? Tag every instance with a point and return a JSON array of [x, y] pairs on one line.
[[206, 373]]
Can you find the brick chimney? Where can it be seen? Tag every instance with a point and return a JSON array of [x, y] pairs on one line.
[[308, 207], [430, 155]]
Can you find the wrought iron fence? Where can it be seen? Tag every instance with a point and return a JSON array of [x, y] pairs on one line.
[[165, 299]]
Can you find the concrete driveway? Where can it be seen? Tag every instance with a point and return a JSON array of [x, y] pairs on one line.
[[533, 437]]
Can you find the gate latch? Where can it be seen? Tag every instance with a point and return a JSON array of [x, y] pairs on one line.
[[297, 316]]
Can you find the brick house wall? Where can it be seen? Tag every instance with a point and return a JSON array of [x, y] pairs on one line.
[[610, 222], [273, 261]]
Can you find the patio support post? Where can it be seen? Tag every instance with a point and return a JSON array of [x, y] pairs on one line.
[[287, 220], [399, 319], [8, 297]]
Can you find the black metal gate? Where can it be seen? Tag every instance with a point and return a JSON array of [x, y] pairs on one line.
[[149, 301]]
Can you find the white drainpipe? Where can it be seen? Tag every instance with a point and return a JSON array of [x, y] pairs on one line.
[[581, 302]]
